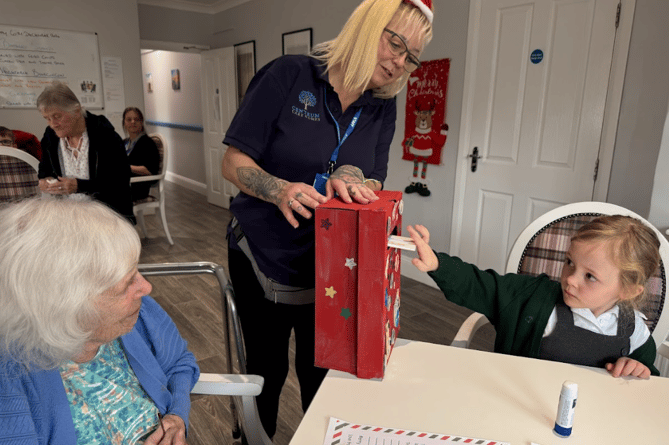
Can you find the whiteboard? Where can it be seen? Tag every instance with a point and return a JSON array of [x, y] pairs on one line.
[[32, 58]]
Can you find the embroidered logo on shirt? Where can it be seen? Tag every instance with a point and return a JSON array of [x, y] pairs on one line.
[[309, 100]]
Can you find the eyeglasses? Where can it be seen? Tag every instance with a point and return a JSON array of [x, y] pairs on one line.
[[6, 142], [398, 46]]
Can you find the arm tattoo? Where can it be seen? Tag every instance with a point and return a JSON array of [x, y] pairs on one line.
[[262, 184], [349, 174]]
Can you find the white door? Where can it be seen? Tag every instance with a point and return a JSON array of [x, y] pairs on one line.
[[219, 99], [537, 78]]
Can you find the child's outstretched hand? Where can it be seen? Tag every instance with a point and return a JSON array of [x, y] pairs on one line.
[[626, 366], [427, 261]]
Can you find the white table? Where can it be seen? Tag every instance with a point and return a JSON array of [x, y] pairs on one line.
[[449, 390]]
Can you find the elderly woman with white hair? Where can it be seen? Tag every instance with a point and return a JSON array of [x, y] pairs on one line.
[[86, 356], [81, 152]]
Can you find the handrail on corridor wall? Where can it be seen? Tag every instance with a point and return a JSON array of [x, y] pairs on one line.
[[186, 127]]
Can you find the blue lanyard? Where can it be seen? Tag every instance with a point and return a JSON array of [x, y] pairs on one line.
[[128, 147], [335, 153]]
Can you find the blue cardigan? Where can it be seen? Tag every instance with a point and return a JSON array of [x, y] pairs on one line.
[[34, 407]]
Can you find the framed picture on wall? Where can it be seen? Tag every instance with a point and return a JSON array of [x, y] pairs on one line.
[[176, 80], [297, 42], [245, 57], [149, 83]]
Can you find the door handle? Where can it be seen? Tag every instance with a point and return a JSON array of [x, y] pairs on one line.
[[217, 106], [475, 157]]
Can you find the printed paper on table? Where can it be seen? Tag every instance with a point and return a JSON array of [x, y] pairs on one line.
[[341, 432]]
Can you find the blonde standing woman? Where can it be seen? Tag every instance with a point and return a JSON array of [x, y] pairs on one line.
[[310, 126]]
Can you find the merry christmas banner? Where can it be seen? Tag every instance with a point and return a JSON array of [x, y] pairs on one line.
[[425, 121]]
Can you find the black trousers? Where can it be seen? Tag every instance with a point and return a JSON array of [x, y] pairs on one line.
[[267, 327]]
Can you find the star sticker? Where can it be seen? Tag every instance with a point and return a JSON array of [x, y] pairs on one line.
[[330, 292], [345, 312], [350, 263], [325, 223]]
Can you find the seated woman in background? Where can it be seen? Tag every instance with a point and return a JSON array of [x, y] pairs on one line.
[[7, 138], [22, 140], [142, 151], [86, 356], [28, 142], [81, 152]]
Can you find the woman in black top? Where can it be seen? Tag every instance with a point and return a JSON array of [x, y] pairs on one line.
[[142, 151], [81, 152]]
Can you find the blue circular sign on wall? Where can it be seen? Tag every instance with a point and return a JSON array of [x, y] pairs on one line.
[[537, 56]]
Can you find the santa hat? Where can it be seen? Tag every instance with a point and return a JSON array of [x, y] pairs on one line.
[[425, 6]]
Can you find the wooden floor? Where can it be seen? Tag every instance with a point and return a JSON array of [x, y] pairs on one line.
[[198, 231]]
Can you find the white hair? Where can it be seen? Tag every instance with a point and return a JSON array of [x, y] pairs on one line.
[[58, 95], [57, 256]]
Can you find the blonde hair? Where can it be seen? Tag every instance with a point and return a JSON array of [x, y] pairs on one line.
[[57, 258], [634, 248], [355, 48]]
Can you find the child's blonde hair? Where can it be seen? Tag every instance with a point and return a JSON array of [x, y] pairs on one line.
[[355, 48], [634, 248]]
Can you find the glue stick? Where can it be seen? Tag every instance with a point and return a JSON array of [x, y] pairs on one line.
[[565, 412]]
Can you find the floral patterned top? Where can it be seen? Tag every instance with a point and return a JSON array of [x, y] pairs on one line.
[[107, 403]]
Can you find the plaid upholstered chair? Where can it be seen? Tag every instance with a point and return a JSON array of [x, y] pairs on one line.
[[18, 175], [542, 246]]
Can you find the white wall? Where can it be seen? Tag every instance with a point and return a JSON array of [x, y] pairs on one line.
[[117, 25], [186, 148], [659, 206], [164, 24], [643, 112]]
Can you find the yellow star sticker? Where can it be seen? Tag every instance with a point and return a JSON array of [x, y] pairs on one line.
[[330, 292]]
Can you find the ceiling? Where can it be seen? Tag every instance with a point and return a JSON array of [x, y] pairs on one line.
[[201, 6]]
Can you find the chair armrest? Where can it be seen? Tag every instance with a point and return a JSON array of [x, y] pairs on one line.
[[229, 384], [145, 178], [469, 327], [663, 349], [243, 388]]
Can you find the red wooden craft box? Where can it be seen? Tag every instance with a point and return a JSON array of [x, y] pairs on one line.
[[357, 284]]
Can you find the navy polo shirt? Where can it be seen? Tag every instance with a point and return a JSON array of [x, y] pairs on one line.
[[284, 125]]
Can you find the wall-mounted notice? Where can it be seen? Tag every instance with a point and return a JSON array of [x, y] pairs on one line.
[[112, 68], [31, 58]]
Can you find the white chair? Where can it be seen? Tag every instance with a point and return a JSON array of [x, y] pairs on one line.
[[541, 247], [18, 174], [156, 200], [242, 387]]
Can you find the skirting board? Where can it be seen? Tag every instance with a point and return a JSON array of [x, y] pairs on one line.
[[187, 183]]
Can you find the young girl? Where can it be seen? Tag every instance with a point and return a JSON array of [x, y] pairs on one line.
[[586, 319]]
